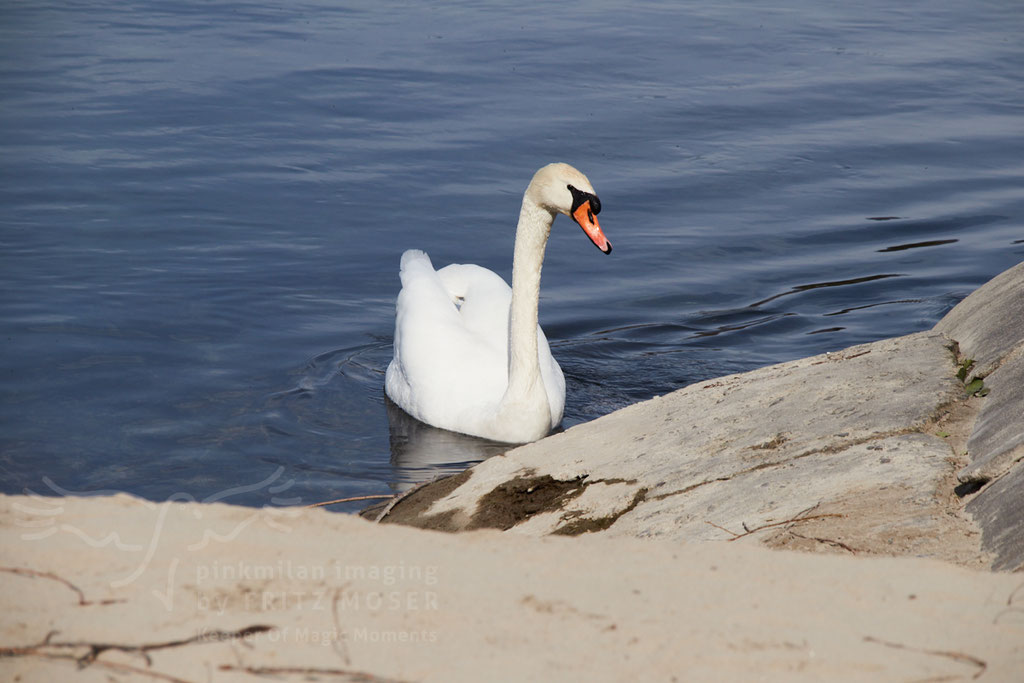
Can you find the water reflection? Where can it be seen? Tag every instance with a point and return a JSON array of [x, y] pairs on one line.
[[917, 245], [797, 289], [420, 452]]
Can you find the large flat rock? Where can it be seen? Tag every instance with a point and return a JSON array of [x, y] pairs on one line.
[[777, 448]]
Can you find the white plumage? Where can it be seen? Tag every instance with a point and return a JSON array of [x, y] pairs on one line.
[[469, 355]]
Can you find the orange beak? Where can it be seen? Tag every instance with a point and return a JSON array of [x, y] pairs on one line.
[[588, 221]]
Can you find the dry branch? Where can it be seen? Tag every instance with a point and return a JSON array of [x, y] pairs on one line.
[[349, 500], [957, 656], [792, 520], [59, 650], [35, 574], [350, 675]]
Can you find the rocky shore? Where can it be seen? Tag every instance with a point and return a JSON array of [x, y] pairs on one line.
[[852, 516], [906, 446]]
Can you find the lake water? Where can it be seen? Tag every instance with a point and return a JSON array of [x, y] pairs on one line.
[[203, 206]]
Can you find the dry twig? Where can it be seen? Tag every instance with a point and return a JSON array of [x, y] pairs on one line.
[[35, 574], [350, 675], [826, 541], [956, 656], [792, 520], [56, 650], [1010, 609], [349, 500]]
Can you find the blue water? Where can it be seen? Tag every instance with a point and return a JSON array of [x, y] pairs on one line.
[[202, 208]]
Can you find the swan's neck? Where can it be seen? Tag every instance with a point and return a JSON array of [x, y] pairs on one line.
[[524, 378]]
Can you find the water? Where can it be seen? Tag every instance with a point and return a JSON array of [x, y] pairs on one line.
[[203, 205]]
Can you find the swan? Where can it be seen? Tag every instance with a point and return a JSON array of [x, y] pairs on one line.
[[469, 355]]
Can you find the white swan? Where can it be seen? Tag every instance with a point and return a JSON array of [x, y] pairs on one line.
[[469, 355]]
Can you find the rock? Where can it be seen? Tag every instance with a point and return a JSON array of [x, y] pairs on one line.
[[997, 442], [989, 327], [854, 451], [782, 446], [996, 447], [999, 510], [989, 323]]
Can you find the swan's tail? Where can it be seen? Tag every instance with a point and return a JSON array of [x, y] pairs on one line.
[[414, 262]]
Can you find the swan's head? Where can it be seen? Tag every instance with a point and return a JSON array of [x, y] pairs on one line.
[[560, 188]]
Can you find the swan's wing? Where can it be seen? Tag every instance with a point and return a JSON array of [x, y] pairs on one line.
[[441, 363], [483, 299], [424, 313], [423, 294]]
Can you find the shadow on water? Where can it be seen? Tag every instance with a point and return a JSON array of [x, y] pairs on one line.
[[340, 391], [420, 452]]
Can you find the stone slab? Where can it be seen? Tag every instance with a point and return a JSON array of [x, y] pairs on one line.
[[999, 509], [989, 323], [997, 442], [735, 453]]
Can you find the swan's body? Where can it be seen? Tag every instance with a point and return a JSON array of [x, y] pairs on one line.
[[469, 354]]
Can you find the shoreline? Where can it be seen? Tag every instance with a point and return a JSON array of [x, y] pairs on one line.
[[837, 517]]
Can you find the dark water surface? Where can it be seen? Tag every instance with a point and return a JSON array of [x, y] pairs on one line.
[[202, 208]]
